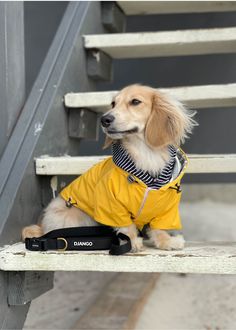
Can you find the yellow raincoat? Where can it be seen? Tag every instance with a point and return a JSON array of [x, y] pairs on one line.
[[105, 193]]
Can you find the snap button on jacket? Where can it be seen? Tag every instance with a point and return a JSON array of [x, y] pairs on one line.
[[105, 193]]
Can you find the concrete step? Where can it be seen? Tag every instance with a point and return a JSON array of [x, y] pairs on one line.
[[167, 43], [174, 7], [206, 96], [197, 257], [218, 163]]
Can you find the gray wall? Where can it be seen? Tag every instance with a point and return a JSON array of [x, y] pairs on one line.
[[12, 67], [216, 133], [41, 23], [26, 32]]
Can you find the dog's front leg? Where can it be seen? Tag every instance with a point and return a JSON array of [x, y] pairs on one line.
[[132, 232], [163, 241]]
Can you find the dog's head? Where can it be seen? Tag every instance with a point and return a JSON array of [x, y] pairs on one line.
[[156, 117]]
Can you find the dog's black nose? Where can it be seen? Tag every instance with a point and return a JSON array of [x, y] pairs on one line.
[[106, 120]]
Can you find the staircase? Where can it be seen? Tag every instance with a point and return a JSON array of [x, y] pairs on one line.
[[82, 54], [131, 45]]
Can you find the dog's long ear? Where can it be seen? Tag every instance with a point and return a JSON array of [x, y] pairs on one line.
[[169, 122], [108, 141]]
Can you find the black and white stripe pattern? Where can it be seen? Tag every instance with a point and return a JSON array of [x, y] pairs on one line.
[[122, 159]]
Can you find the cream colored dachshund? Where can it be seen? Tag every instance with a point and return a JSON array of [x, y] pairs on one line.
[[139, 185]]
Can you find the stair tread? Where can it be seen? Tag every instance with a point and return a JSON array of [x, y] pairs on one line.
[[204, 96], [164, 43], [171, 7], [197, 257], [76, 165]]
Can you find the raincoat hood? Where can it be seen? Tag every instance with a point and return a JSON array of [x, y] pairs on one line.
[[114, 197]]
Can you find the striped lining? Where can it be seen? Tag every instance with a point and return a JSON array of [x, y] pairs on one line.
[[123, 160]]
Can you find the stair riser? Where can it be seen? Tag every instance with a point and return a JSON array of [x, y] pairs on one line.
[[173, 43], [195, 97], [79, 165]]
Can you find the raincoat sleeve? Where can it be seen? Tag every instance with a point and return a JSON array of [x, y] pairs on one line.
[[170, 218], [109, 209]]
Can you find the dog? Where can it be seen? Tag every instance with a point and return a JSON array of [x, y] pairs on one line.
[[139, 185]]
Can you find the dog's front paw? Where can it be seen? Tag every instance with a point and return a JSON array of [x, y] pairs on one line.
[[137, 244], [176, 243], [163, 241], [171, 243]]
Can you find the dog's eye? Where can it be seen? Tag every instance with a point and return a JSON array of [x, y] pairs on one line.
[[135, 102], [113, 104]]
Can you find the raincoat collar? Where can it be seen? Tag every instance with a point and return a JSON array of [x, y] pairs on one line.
[[123, 160], [179, 169]]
